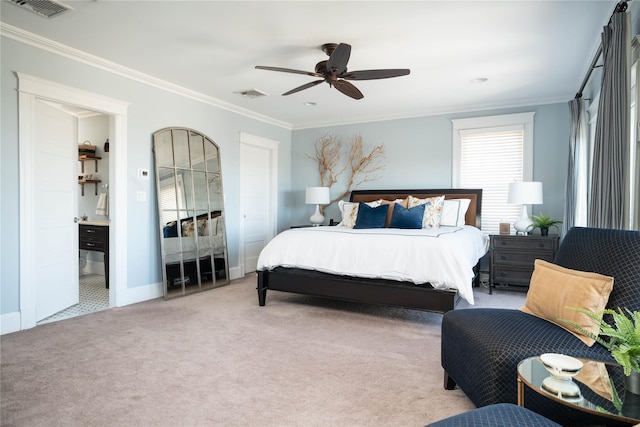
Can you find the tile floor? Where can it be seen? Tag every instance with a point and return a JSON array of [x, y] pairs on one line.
[[93, 297]]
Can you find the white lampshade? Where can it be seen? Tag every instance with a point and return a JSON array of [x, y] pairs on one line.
[[317, 196], [524, 193]]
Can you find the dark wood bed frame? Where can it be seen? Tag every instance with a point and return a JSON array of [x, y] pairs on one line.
[[375, 291]]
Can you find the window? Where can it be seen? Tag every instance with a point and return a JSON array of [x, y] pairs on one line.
[[489, 153], [632, 204], [634, 158], [170, 193]]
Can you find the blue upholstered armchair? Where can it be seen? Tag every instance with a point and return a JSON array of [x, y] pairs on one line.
[[481, 348]]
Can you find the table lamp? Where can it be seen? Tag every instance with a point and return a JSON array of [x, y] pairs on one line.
[[317, 196], [524, 193]]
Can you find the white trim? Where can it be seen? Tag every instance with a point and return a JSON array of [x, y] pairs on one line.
[[259, 141], [30, 89], [439, 112], [235, 273], [118, 254], [143, 293], [52, 91], [272, 146], [25, 152], [488, 122], [9, 322], [37, 41]]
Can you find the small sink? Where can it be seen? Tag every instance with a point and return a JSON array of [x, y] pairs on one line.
[[101, 222]]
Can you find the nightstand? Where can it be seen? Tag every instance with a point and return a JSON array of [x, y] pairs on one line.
[[512, 257]]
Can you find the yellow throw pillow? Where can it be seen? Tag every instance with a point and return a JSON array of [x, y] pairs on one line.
[[596, 377], [554, 288]]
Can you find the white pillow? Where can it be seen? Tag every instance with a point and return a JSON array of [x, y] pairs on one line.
[[349, 212], [454, 211]]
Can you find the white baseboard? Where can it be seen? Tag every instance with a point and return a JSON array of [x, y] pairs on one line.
[[235, 273], [142, 293], [9, 323], [155, 290]]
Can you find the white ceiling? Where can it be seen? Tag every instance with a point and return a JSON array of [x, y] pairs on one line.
[[531, 52]]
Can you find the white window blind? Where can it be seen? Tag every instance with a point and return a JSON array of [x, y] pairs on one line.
[[170, 197], [491, 160]]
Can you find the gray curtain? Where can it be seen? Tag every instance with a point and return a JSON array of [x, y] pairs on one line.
[[577, 138], [611, 145]]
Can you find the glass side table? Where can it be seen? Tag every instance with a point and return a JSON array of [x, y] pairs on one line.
[[595, 395]]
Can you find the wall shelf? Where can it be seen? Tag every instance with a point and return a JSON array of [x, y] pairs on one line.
[[82, 182], [83, 158]]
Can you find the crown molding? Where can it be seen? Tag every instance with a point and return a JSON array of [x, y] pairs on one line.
[[37, 41]]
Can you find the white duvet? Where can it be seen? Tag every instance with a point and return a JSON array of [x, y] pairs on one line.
[[443, 257]]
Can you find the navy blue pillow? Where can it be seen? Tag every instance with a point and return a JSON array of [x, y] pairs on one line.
[[369, 217], [406, 218], [170, 230]]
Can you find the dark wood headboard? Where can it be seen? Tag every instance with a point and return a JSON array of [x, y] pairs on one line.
[[471, 218]]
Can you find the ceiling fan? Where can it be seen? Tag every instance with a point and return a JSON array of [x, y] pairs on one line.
[[334, 72]]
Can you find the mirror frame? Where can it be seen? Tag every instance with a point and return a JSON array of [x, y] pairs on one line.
[[190, 206]]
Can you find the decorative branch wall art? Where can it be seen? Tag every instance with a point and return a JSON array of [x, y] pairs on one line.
[[360, 167]]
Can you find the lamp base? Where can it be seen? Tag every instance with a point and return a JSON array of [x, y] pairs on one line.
[[523, 225], [317, 218]]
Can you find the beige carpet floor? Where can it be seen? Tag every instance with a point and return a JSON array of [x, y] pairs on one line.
[[218, 359]]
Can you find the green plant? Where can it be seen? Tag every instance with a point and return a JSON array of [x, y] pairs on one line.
[[622, 340], [544, 222]]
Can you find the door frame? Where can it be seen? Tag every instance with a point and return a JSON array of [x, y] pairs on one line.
[[30, 90], [272, 146]]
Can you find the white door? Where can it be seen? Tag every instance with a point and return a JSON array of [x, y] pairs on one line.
[[55, 234], [256, 202]]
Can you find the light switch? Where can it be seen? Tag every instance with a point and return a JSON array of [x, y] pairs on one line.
[[142, 196]]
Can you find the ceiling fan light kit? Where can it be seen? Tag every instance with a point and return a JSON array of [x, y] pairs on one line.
[[334, 72]]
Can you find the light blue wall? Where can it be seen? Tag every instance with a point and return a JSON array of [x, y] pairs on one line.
[[150, 110], [419, 155]]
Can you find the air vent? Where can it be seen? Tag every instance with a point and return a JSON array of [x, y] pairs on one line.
[[251, 93], [46, 8]]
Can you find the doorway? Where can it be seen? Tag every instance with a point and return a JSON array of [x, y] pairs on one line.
[[90, 291], [33, 93], [258, 200]]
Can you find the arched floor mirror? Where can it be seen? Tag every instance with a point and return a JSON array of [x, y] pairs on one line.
[[190, 212]]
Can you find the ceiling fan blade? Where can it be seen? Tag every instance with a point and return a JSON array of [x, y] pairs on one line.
[[303, 87], [339, 58], [375, 74], [348, 89], [289, 70]]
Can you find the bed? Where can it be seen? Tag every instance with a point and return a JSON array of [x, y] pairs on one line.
[[392, 291], [200, 240]]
